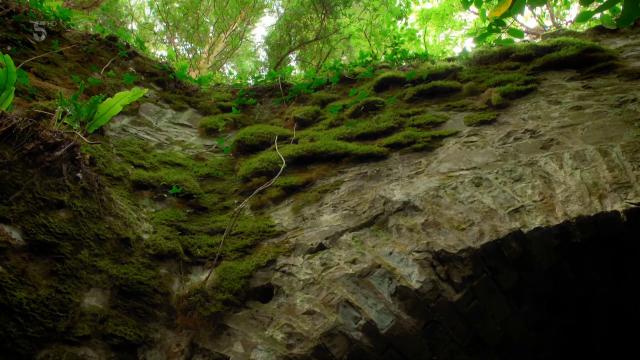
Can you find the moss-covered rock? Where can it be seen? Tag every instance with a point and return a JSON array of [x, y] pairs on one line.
[[482, 118], [365, 106], [514, 91], [557, 53], [432, 90], [427, 120], [256, 138], [323, 99], [216, 124], [268, 163], [389, 80], [415, 138], [305, 115], [440, 71]]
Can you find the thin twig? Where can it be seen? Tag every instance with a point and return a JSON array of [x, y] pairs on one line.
[[281, 91], [45, 54], [83, 138], [552, 16], [294, 132], [238, 210], [43, 112], [106, 66]]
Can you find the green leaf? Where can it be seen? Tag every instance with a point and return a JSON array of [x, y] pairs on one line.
[[8, 76], [607, 21], [607, 5], [537, 3], [517, 7], [112, 106], [630, 12], [584, 16], [175, 189], [516, 33], [500, 9], [22, 78], [586, 2]]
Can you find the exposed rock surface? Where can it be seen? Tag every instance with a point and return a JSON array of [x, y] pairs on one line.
[[571, 149]]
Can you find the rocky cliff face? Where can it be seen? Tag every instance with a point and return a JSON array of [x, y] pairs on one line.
[[511, 240], [415, 256]]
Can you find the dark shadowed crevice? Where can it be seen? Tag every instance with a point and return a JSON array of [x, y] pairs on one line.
[[565, 291]]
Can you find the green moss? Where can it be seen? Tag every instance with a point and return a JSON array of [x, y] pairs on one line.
[[306, 115], [388, 80], [230, 282], [258, 137], [513, 78], [363, 129], [557, 53], [268, 163], [427, 120], [365, 106], [463, 105], [164, 242], [323, 99], [415, 138], [574, 55], [119, 330], [165, 178], [169, 215], [436, 72], [514, 91], [432, 90], [481, 118], [216, 124]]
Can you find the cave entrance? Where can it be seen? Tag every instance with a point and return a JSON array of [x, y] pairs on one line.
[[561, 292]]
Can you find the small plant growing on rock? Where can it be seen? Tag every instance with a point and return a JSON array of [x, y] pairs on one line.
[[95, 112]]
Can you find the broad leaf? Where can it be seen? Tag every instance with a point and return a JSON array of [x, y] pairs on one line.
[[516, 33], [8, 78], [630, 12], [537, 3], [584, 16], [112, 106], [500, 9]]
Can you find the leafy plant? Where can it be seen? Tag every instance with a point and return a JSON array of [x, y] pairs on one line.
[[129, 79], [8, 76], [95, 112], [175, 190]]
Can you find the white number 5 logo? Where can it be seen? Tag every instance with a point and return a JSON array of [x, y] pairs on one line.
[[39, 33]]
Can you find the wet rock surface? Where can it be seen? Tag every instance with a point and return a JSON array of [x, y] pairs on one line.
[[488, 247]]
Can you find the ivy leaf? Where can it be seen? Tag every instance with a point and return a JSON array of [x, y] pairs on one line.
[[500, 9], [516, 33]]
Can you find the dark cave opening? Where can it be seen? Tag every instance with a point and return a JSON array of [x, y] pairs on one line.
[[565, 291]]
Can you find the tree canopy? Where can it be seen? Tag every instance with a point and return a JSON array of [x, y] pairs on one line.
[[245, 39]]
